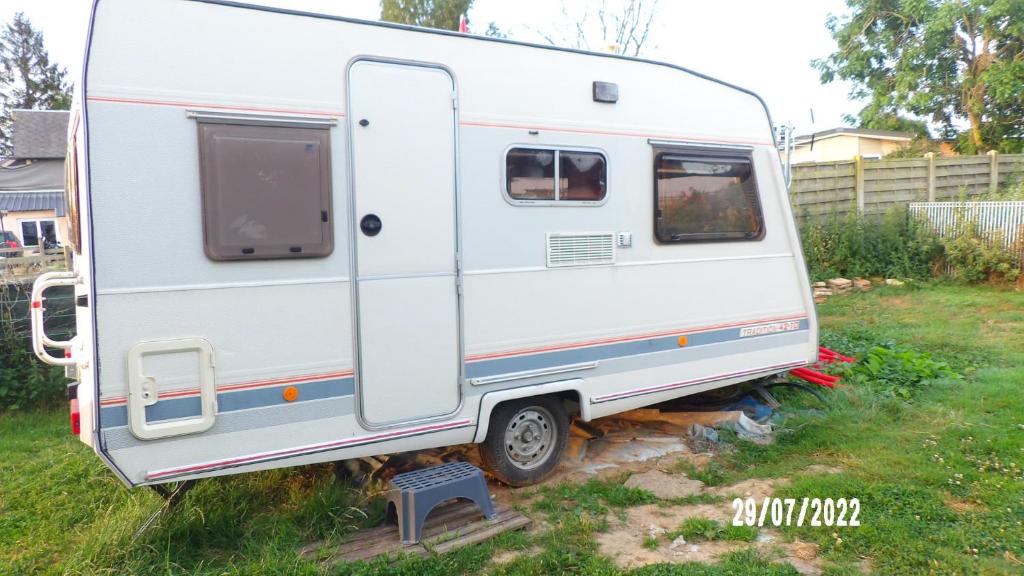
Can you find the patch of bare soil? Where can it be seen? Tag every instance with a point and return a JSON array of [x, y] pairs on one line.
[[756, 488], [822, 469], [506, 556], [897, 302], [624, 540], [961, 505]]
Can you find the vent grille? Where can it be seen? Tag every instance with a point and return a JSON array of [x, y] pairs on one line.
[[580, 249]]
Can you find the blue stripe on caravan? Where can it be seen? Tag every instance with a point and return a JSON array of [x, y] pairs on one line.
[[230, 401], [537, 361]]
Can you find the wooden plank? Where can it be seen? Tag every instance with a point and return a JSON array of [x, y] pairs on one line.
[[982, 159], [442, 516], [457, 525], [512, 523]]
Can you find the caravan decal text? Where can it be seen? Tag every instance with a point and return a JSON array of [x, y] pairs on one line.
[[766, 329]]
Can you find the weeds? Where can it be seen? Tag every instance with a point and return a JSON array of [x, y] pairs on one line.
[[893, 245], [592, 498], [895, 371], [975, 257], [25, 382], [701, 529]]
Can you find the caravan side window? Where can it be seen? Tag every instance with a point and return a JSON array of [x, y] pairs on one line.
[[708, 197], [266, 190], [555, 177]]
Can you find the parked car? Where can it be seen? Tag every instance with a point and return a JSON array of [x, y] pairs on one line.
[[9, 240]]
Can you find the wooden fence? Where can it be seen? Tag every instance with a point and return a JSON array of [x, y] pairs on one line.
[[18, 268], [24, 264], [874, 186]]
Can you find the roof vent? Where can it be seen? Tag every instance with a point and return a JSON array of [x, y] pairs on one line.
[[580, 248]]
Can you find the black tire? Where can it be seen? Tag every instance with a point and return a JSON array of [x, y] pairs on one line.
[[533, 451]]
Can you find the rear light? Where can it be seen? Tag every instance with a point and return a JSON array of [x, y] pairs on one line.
[[76, 418]]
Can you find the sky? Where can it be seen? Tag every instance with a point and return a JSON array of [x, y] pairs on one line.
[[763, 45]]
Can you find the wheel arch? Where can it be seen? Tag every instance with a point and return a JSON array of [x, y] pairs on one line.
[[566, 389]]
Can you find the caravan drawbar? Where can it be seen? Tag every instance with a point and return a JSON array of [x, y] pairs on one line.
[[301, 238]]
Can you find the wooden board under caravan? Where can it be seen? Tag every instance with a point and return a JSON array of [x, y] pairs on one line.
[[302, 238]]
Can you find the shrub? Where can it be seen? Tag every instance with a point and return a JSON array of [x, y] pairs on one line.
[[975, 257], [892, 245], [895, 371], [24, 381]]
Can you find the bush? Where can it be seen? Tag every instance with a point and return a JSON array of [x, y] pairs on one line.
[[24, 381], [895, 371], [975, 258], [894, 245]]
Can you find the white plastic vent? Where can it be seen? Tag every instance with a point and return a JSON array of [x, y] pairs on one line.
[[580, 249]]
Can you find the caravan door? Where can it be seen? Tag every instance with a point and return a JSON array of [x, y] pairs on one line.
[[406, 279]]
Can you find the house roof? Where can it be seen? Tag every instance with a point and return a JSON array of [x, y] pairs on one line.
[[41, 175], [861, 132], [37, 134], [26, 201]]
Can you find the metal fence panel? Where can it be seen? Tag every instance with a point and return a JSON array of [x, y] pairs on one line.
[[1001, 219]]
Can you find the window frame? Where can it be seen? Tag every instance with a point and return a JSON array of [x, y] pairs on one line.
[[72, 193], [711, 154], [322, 126], [37, 222], [557, 150]]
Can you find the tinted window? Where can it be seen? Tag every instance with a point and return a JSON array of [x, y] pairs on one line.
[[581, 176], [266, 191], [530, 174], [29, 233], [705, 198], [543, 176]]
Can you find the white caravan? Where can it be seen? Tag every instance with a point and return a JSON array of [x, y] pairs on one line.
[[301, 238]]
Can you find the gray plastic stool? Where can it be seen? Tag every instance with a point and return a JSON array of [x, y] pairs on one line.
[[413, 495]]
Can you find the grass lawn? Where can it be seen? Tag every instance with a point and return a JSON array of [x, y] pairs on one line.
[[938, 471]]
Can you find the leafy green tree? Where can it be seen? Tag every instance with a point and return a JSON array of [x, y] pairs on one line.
[[442, 14], [944, 60], [27, 78]]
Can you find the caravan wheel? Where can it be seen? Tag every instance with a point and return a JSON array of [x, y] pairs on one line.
[[525, 440]]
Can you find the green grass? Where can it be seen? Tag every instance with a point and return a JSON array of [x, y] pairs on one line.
[[938, 475], [700, 529]]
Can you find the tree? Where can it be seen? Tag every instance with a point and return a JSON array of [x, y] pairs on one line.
[[945, 60], [27, 78], [874, 119], [441, 14], [622, 27]]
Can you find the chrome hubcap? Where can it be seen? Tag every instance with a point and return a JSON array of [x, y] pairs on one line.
[[529, 437]]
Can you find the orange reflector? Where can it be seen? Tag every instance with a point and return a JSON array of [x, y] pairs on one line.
[[37, 304], [290, 394], [682, 341]]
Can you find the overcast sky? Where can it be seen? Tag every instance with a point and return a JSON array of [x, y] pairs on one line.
[[762, 45]]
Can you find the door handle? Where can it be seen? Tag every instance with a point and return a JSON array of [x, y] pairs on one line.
[[370, 225]]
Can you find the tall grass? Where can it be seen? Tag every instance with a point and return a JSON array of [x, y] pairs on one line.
[[891, 245], [24, 381]]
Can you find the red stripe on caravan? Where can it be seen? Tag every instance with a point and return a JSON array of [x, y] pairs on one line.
[[113, 401], [179, 104], [304, 449], [238, 386], [681, 383], [488, 356], [614, 133]]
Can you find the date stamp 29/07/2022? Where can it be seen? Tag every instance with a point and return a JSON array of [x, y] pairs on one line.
[[826, 512]]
